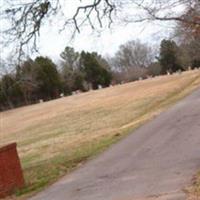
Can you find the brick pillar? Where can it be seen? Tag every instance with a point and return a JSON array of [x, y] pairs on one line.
[[11, 176]]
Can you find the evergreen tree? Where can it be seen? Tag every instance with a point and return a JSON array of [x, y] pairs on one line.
[[169, 57], [48, 78], [11, 93], [94, 73]]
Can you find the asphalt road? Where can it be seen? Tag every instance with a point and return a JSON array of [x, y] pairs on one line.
[[158, 160]]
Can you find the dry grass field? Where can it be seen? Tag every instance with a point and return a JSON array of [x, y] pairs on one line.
[[56, 136]]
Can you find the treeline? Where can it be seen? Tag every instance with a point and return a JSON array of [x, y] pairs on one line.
[[135, 59], [41, 78]]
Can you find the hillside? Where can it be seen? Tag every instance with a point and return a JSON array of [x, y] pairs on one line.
[[56, 136]]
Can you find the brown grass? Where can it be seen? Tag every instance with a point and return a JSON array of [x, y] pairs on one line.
[[57, 131]]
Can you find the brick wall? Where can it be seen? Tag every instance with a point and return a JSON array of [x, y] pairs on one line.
[[11, 176]]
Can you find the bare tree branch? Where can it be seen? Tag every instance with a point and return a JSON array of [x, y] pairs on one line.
[[27, 17]]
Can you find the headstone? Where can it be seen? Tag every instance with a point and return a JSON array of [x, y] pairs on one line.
[[149, 77], [78, 91], [179, 72], [99, 86], [41, 101]]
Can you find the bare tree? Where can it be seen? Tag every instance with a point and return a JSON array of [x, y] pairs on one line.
[[23, 19], [186, 32], [132, 60], [27, 17], [188, 38], [134, 54]]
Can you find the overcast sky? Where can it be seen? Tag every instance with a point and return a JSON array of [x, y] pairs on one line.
[[52, 43], [109, 40]]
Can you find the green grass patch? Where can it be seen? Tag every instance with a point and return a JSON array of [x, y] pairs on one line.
[[42, 174]]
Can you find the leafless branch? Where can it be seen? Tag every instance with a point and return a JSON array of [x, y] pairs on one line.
[[27, 18]]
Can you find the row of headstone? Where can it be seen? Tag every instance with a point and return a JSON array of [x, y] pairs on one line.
[[76, 92], [111, 85], [61, 96], [177, 72]]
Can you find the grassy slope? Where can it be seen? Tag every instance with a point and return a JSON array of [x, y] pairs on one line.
[[55, 137]]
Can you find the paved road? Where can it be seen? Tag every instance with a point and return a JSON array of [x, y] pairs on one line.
[[158, 159]]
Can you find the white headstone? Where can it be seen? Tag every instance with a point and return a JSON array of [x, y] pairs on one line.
[[179, 72], [99, 86]]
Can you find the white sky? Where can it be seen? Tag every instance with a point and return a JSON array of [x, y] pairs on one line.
[[52, 43]]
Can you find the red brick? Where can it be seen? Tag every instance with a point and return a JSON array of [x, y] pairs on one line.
[[11, 176]]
